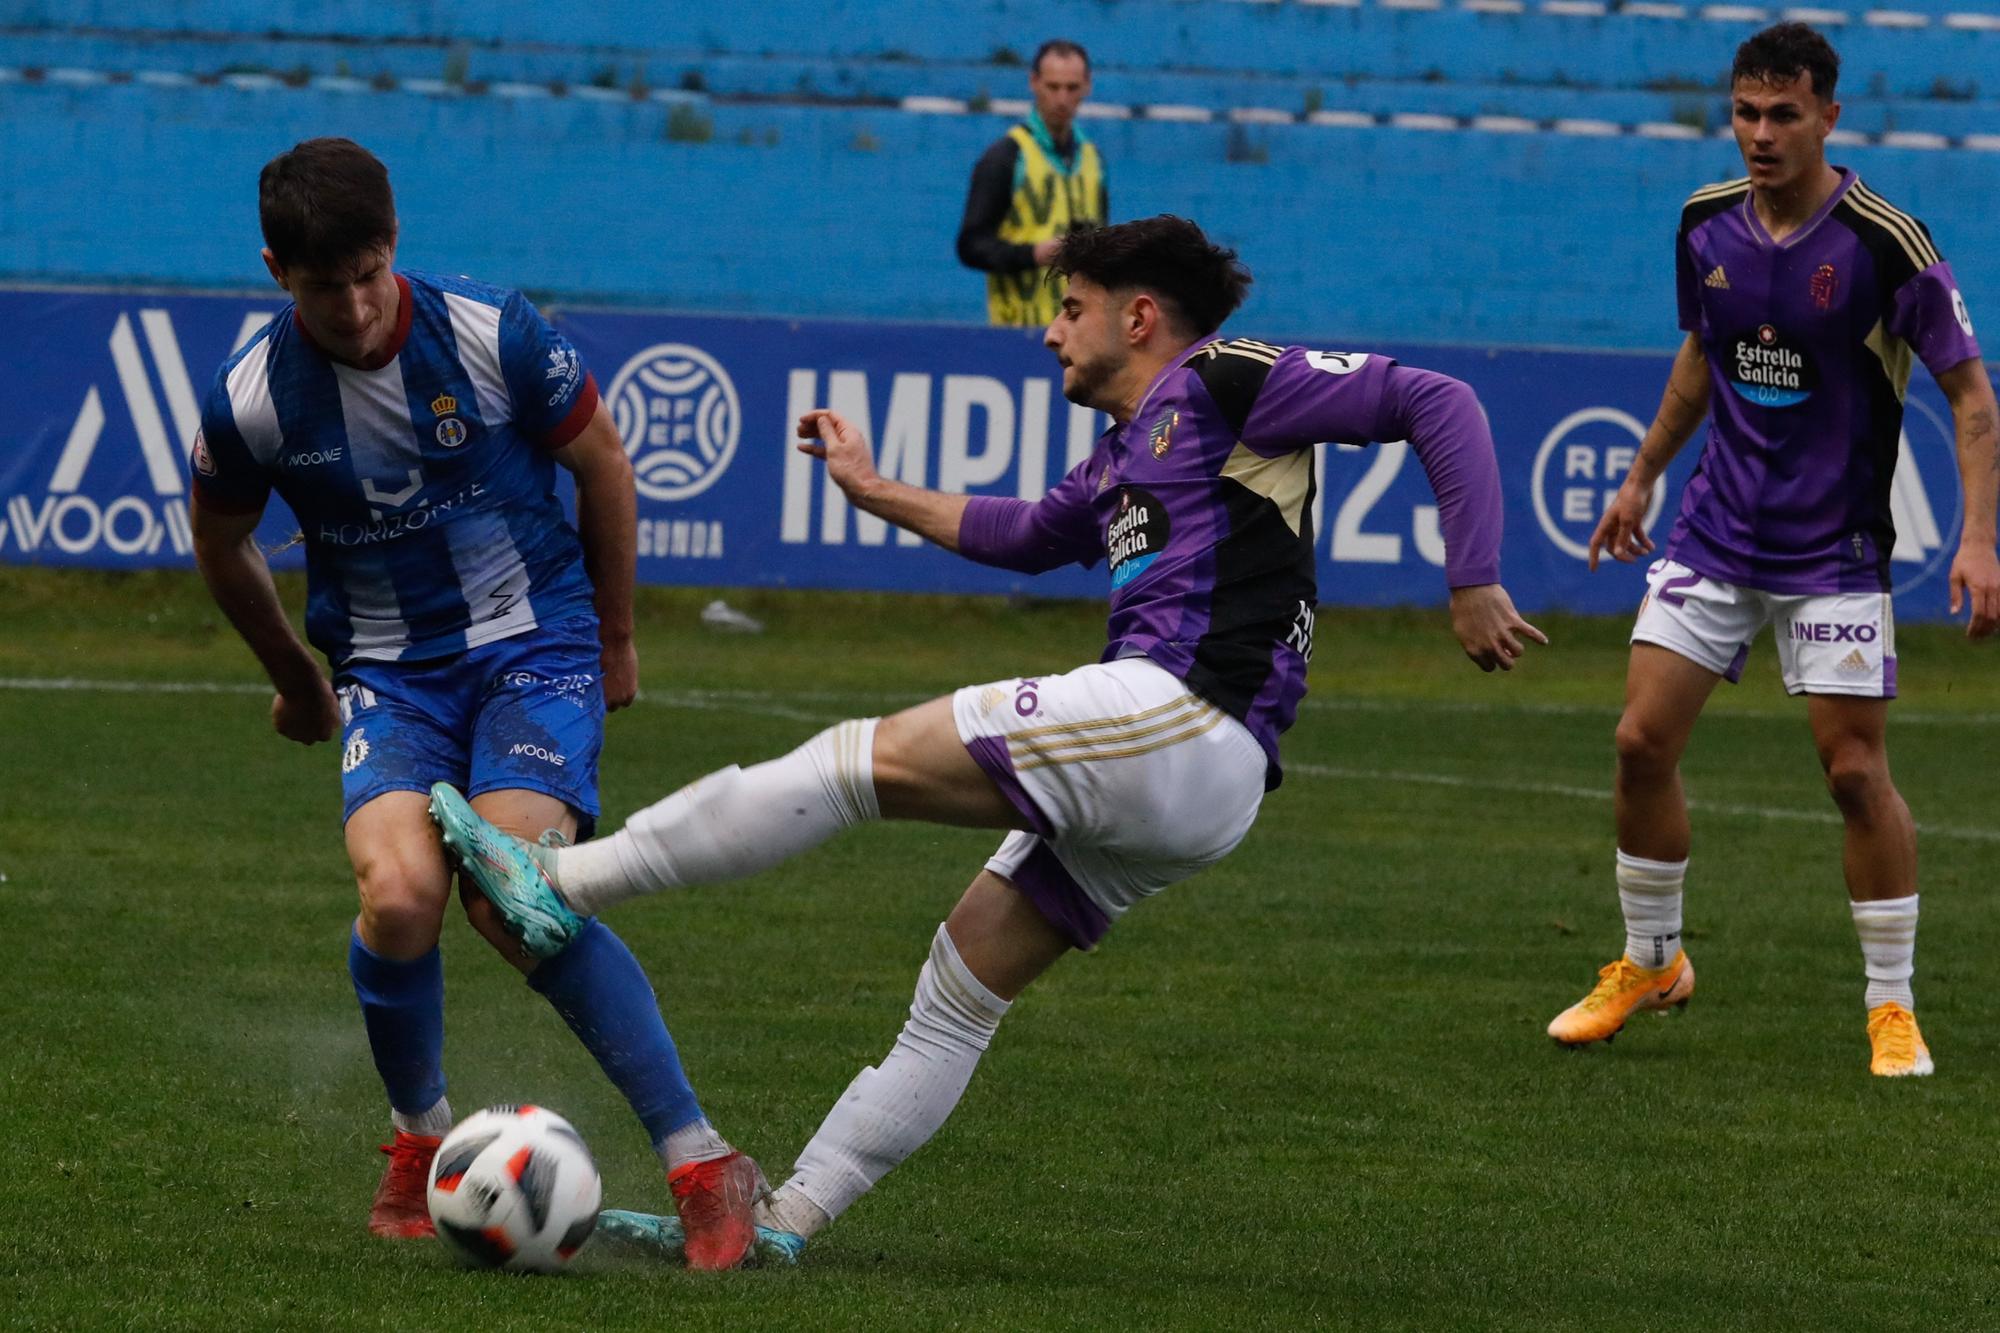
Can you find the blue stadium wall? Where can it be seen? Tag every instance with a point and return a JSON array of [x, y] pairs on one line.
[[1353, 233], [1449, 184], [120, 168]]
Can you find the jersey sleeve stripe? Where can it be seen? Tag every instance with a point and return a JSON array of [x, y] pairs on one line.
[[1920, 233], [1905, 222], [1898, 230], [249, 388], [1916, 240], [1255, 353], [476, 326], [1719, 190]]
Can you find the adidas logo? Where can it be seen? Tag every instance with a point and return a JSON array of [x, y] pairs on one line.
[[1854, 661], [1717, 279]]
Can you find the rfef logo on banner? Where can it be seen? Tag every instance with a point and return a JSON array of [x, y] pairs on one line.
[[676, 409], [1578, 469], [113, 516]]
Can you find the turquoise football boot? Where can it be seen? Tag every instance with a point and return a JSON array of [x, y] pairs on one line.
[[772, 1248], [648, 1231], [508, 872], [777, 1249]]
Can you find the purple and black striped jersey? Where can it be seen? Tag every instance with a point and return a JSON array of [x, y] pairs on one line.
[[425, 485], [1810, 342], [1202, 503]]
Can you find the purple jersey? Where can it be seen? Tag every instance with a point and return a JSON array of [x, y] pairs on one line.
[[1809, 343], [1201, 505]]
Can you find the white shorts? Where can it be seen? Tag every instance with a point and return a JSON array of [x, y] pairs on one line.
[[1129, 781], [1828, 643]]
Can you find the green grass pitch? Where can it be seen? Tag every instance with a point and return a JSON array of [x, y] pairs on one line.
[[1309, 1088]]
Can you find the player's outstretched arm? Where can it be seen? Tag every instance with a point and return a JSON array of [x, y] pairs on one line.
[[932, 515], [607, 510], [1975, 572], [1621, 532], [1443, 421], [225, 551]]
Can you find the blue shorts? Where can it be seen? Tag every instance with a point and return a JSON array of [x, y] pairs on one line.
[[522, 714]]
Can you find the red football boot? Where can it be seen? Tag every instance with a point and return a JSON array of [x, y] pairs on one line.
[[400, 1211], [714, 1200]]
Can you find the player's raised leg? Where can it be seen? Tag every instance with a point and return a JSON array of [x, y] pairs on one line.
[[392, 957], [1879, 855], [994, 943], [602, 993], [735, 822], [1664, 695]]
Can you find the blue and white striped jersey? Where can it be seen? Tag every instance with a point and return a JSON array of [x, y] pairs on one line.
[[425, 487]]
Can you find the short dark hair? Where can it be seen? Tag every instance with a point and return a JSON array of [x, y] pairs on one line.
[[1199, 281], [325, 203], [1782, 52], [1056, 46]]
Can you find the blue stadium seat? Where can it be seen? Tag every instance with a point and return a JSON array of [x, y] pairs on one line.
[[658, 148], [1554, 238]]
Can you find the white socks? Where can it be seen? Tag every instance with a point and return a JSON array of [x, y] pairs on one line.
[[1888, 931], [693, 1142], [1650, 894], [435, 1122], [891, 1110], [730, 824]]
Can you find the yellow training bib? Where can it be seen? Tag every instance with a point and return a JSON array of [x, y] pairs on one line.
[[1048, 202]]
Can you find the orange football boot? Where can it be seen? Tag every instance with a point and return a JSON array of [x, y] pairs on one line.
[[1898, 1049], [1623, 988]]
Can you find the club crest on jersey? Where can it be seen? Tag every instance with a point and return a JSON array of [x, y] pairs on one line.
[[1823, 284], [450, 430], [1768, 370], [1161, 436]]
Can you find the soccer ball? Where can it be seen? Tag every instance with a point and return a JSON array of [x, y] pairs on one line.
[[514, 1187]]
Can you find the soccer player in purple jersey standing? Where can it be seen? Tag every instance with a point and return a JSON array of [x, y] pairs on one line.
[[413, 423], [1114, 780], [1805, 297]]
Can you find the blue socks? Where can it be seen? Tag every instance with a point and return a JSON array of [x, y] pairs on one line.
[[595, 984], [402, 1004], [602, 993]]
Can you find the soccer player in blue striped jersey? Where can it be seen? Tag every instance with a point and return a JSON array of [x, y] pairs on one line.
[[414, 424], [1806, 299]]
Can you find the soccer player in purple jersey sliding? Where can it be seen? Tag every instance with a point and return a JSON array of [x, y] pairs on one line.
[[413, 423], [1805, 296], [1116, 779]]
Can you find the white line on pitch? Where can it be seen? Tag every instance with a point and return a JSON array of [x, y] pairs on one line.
[[1604, 794], [76, 684], [781, 704], [767, 704]]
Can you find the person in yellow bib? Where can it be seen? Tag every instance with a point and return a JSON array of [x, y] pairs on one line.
[[1038, 183]]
